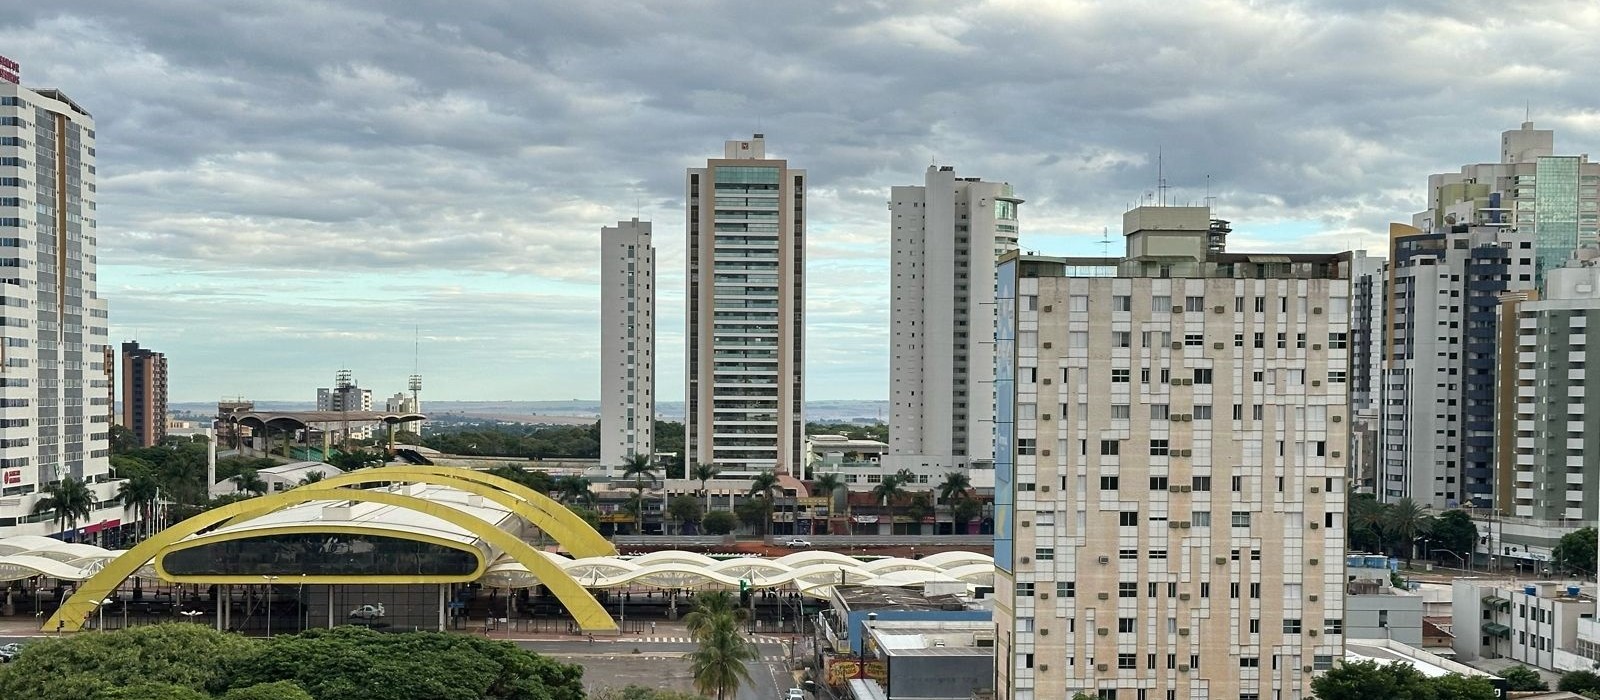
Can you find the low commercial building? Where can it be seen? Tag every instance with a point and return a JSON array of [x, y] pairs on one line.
[[932, 661], [1532, 623], [936, 611], [1374, 608]]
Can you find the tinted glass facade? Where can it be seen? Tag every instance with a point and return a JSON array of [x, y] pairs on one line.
[[291, 555]]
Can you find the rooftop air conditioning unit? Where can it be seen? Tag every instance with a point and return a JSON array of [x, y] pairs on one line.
[[1314, 633], [1103, 596], [1218, 309], [1177, 346], [1183, 596], [1312, 562], [1185, 488], [1177, 309], [1183, 668], [1221, 561], [1216, 346], [1100, 667], [1102, 631], [1313, 597], [1103, 559], [1046, 345], [1183, 631]]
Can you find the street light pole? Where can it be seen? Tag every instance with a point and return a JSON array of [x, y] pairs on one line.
[[269, 579]]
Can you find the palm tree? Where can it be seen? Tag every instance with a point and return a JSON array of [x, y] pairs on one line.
[[887, 492], [719, 662], [574, 490], [139, 494], [765, 485], [69, 499], [249, 480], [954, 492], [828, 483], [705, 472], [638, 468], [1406, 520], [709, 608], [311, 478]]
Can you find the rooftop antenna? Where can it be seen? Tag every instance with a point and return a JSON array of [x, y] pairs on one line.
[[1210, 201], [1161, 180], [1105, 241]]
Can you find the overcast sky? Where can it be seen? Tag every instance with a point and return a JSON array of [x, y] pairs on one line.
[[287, 188]]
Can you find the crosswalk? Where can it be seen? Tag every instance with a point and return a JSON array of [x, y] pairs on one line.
[[758, 639]]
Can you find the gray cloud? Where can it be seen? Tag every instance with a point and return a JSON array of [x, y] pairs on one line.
[[253, 156]]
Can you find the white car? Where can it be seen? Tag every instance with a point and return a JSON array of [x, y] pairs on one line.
[[368, 612], [796, 694], [797, 543]]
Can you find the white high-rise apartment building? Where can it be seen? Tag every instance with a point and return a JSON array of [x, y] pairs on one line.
[[627, 342], [54, 379], [1169, 468], [1489, 229], [947, 234], [746, 323]]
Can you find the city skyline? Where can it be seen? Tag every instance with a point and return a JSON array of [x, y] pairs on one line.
[[259, 160]]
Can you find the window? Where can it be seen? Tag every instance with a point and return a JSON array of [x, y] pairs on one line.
[[1158, 483], [1119, 411], [1336, 376], [1233, 590], [1283, 340], [1194, 340], [1024, 590], [1200, 518], [1255, 626], [1158, 448], [1261, 305], [1127, 554], [1121, 339], [1161, 304], [1026, 446], [1321, 663], [1159, 411], [1260, 340], [1194, 303], [1205, 589], [1238, 484], [1144, 375], [1119, 376], [1127, 660], [1238, 340], [1383, 618], [1121, 302], [1300, 341], [1078, 302], [1238, 411], [1066, 589], [1249, 662], [1202, 376], [1128, 518], [1202, 411], [1045, 554], [1110, 447], [1241, 518], [1127, 589], [1108, 483], [1291, 626], [1338, 341], [1201, 483], [1255, 590]]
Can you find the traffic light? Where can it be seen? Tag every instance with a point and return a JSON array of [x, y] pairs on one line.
[[744, 592]]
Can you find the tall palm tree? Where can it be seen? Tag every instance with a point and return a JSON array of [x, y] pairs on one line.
[[1406, 520], [828, 483], [765, 485], [69, 499], [887, 492], [250, 481], [719, 663], [139, 495], [705, 472], [954, 492], [638, 468], [708, 610]]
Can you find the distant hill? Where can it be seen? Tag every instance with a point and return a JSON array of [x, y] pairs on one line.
[[529, 411]]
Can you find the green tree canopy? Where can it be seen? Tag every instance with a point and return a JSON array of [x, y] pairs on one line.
[[639, 692], [1455, 531], [685, 509], [1366, 680], [719, 522], [1575, 553], [90, 665], [1579, 682], [1523, 678], [279, 690]]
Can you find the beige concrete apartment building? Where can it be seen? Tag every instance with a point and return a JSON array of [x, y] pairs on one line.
[[1170, 476]]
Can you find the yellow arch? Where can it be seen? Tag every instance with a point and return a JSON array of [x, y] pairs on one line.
[[76, 610], [561, 523]]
